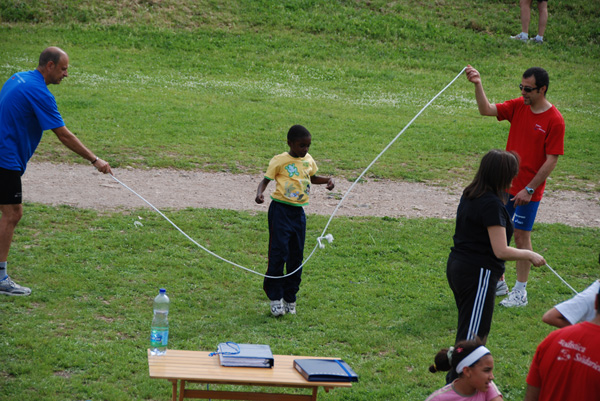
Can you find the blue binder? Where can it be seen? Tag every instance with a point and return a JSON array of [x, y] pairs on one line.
[[325, 370]]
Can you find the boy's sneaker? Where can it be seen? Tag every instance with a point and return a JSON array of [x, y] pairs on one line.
[[9, 287], [522, 37], [536, 40], [515, 298], [277, 308], [290, 307], [501, 288]]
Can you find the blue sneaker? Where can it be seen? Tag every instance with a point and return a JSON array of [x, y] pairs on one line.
[[9, 287]]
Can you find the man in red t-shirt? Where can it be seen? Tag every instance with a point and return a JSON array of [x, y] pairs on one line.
[[566, 365], [537, 132]]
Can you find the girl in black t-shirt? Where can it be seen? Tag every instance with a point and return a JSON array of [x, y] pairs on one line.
[[483, 232]]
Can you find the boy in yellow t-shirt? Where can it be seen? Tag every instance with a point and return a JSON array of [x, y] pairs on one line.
[[293, 172]]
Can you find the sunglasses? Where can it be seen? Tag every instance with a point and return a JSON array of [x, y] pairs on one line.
[[527, 88]]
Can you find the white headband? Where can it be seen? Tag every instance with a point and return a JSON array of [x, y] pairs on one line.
[[472, 358]]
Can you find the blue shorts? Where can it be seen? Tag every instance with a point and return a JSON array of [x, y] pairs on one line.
[[523, 216]]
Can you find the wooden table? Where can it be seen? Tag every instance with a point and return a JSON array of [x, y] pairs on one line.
[[198, 367]]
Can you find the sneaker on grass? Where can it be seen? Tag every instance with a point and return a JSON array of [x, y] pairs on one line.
[[277, 308], [515, 298], [536, 40], [9, 287], [501, 288], [522, 37], [290, 307]]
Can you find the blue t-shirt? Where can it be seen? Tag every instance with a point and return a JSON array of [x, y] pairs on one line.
[[27, 109]]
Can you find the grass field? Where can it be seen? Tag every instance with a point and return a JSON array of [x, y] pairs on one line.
[[214, 86], [220, 92]]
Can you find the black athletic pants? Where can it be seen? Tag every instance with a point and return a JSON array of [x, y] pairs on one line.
[[475, 294]]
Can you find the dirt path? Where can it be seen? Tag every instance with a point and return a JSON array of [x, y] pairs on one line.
[[83, 187]]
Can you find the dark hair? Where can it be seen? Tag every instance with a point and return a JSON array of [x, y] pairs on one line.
[[50, 54], [462, 349], [540, 75], [297, 132], [496, 172]]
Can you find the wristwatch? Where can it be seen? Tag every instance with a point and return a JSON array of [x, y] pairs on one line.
[[530, 191]]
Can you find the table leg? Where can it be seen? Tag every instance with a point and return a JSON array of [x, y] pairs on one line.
[[182, 390], [314, 394], [174, 384]]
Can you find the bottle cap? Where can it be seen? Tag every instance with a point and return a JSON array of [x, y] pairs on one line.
[[162, 291]]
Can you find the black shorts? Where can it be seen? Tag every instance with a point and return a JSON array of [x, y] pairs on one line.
[[10, 187]]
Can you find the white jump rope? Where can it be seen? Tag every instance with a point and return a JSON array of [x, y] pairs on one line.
[[553, 271], [327, 237], [561, 279]]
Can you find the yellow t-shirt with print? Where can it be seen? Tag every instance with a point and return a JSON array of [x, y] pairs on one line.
[[292, 178]]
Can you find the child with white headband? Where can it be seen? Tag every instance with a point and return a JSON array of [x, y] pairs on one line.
[[474, 365]]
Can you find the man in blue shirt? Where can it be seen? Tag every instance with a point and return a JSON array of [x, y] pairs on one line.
[[27, 109]]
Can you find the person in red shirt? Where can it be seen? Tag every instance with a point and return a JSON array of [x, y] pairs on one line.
[[537, 131], [566, 365]]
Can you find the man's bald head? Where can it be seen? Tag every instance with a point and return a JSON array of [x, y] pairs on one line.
[[50, 54], [53, 65]]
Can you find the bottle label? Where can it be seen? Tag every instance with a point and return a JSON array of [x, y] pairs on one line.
[[159, 336]]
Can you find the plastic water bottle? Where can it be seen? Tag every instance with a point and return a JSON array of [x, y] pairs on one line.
[[159, 336]]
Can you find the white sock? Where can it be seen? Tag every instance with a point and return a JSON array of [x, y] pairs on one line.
[[538, 37], [524, 34], [519, 286]]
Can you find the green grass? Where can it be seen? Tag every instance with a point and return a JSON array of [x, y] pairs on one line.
[[371, 297], [218, 90], [214, 86]]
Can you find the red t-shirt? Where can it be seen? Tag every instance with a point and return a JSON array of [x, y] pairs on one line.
[[566, 365], [532, 137]]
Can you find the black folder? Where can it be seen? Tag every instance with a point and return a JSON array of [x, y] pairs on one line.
[[325, 370], [249, 355]]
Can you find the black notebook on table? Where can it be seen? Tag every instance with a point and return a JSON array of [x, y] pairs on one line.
[[325, 370], [245, 355]]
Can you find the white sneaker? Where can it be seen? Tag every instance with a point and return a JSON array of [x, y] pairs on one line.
[[501, 288], [277, 308], [536, 40], [515, 298], [521, 37], [290, 307], [9, 287]]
